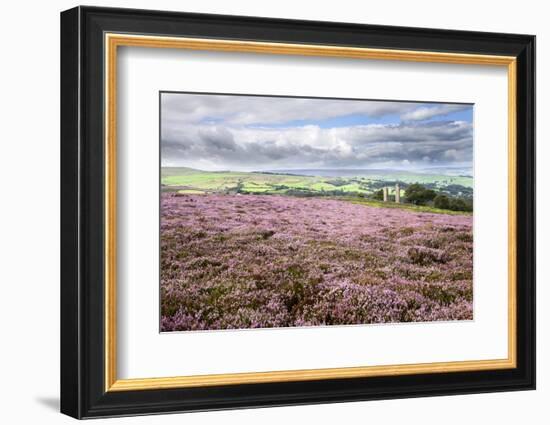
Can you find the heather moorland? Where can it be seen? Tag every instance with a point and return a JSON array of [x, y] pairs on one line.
[[249, 261]]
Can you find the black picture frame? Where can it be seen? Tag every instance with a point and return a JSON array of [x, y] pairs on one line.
[[83, 392]]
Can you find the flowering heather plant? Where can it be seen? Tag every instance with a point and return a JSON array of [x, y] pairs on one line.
[[248, 261]]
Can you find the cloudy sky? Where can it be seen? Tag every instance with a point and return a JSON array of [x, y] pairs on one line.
[[227, 132]]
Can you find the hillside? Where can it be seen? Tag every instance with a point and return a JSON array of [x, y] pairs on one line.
[[298, 182]]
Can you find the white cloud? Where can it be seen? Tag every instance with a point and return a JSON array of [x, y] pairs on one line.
[[427, 112], [311, 146], [242, 132], [250, 110]]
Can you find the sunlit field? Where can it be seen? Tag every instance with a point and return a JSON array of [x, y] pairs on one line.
[[188, 180]]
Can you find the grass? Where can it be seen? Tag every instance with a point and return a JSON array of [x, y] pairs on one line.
[[191, 192], [411, 207], [252, 182]]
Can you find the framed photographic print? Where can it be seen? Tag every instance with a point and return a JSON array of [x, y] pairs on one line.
[[261, 212]]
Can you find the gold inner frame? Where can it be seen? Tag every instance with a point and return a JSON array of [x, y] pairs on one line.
[[113, 41]]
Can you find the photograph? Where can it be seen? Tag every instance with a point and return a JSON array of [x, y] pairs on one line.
[[280, 211], [285, 210]]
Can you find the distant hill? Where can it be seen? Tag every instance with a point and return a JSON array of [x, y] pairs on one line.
[[308, 182], [371, 172], [178, 171]]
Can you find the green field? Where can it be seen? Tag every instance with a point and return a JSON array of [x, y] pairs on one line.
[[404, 206], [188, 180], [218, 181]]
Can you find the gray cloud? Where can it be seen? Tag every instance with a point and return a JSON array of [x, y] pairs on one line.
[[224, 132], [219, 147], [246, 110]]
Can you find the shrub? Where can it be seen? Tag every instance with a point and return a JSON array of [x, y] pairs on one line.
[[419, 195], [378, 195], [442, 202], [458, 205], [424, 257]]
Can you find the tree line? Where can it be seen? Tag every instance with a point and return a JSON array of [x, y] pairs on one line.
[[418, 194]]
